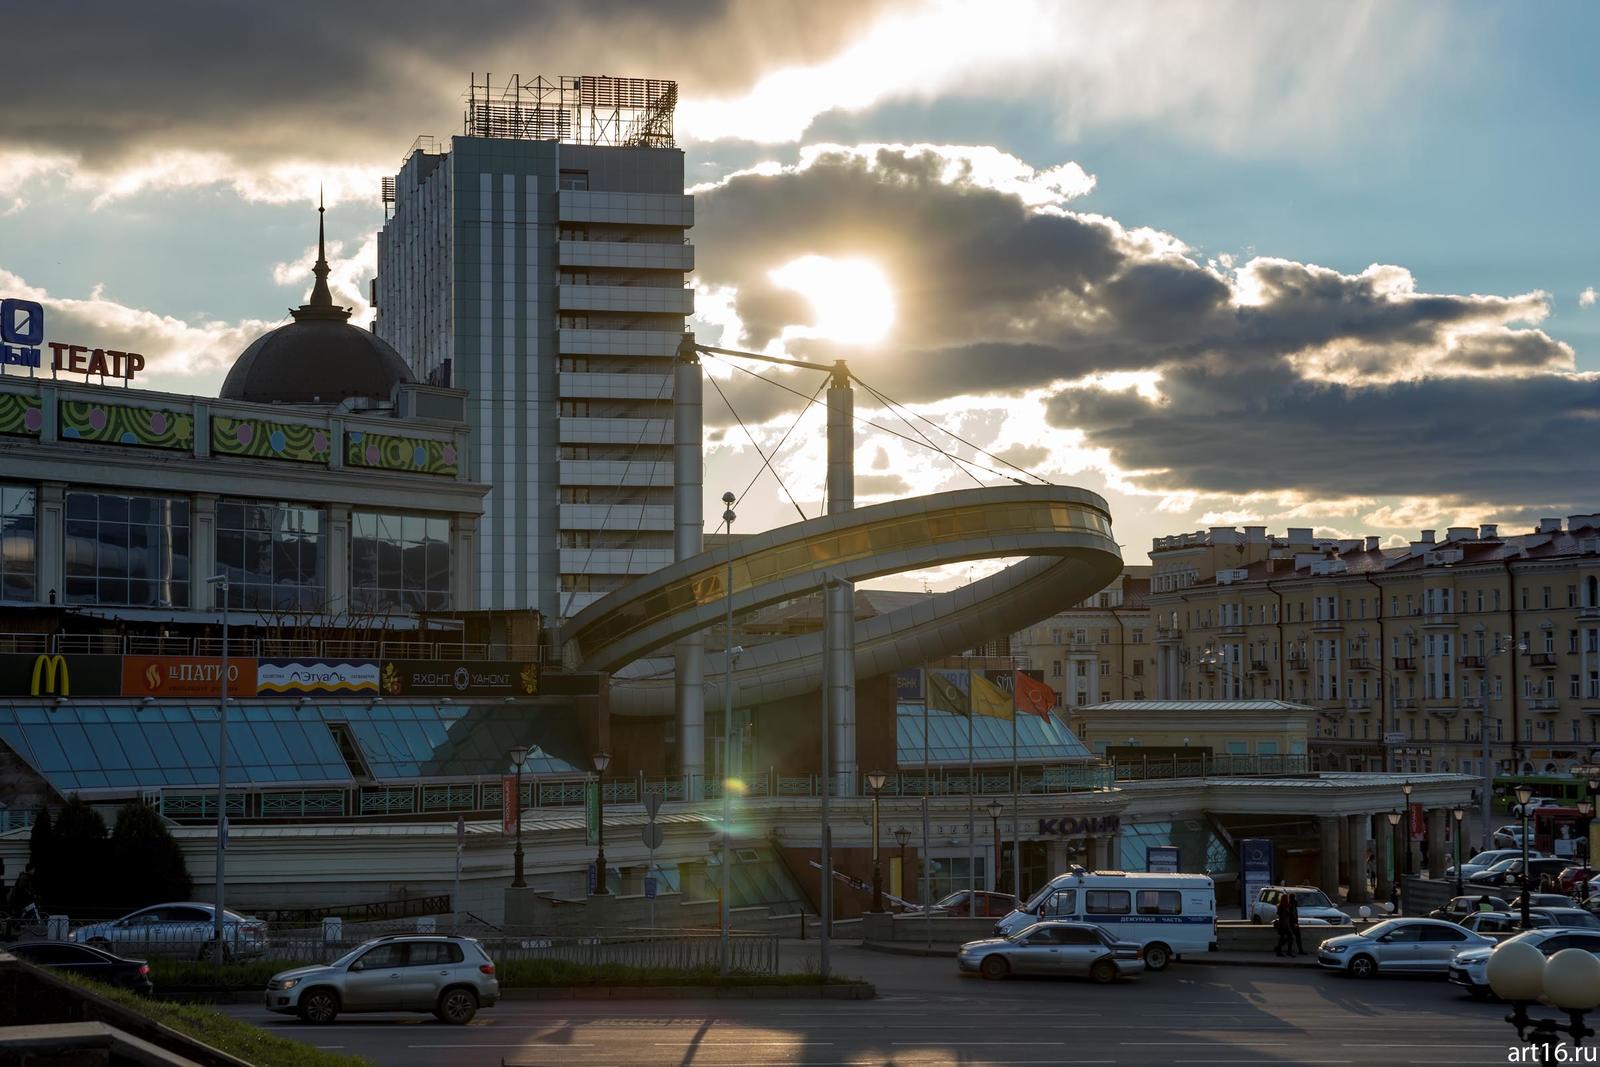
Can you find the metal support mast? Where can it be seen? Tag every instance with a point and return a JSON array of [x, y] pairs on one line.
[[688, 539], [839, 597]]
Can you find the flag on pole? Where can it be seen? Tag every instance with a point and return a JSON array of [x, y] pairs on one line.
[[989, 699], [1033, 696], [947, 691]]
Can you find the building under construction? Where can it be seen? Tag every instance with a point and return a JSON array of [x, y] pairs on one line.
[[537, 261]]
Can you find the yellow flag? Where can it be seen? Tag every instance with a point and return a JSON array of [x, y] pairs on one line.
[[989, 699]]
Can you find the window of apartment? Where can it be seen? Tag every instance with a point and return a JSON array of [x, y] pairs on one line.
[[1105, 600], [1138, 669], [399, 562], [275, 555], [1494, 599], [1055, 668], [574, 409], [574, 451], [572, 231], [1546, 597], [572, 322], [575, 583], [1105, 668], [1572, 596], [574, 494], [1524, 598], [573, 179], [576, 538], [1105, 637], [1550, 641], [1080, 637], [1576, 687], [125, 549], [17, 535], [1572, 640], [1081, 668], [573, 277], [1138, 637]]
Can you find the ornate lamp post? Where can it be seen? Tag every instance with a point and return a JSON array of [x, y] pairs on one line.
[[901, 837], [602, 760], [875, 780], [1394, 824], [1569, 980], [1524, 794], [519, 756], [1458, 814], [1405, 808], [994, 809]]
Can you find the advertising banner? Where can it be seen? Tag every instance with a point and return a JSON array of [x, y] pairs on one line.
[[186, 676], [508, 804], [1255, 869], [1161, 859], [591, 812], [329, 677], [467, 678], [48, 674], [1417, 822], [908, 686]]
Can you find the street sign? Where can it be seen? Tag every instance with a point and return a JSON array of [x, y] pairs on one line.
[[591, 812], [1394, 739], [649, 889], [652, 804], [651, 836]]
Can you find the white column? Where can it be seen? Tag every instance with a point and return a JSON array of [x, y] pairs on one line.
[[688, 539], [840, 599]]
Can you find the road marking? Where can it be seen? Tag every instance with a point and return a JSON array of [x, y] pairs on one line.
[[742, 1044], [980, 1044]]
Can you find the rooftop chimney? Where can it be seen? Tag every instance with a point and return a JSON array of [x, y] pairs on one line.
[[1255, 535], [1549, 525], [1299, 535], [1427, 537], [1224, 535], [1489, 531], [1458, 533], [1372, 542]]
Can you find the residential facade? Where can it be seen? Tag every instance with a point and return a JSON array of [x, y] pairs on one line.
[[537, 261], [1410, 654], [1100, 649]]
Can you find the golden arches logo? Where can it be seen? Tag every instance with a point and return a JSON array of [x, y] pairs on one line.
[[46, 668]]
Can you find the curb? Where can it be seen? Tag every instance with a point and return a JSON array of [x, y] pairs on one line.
[[1211, 959], [837, 991], [894, 949]]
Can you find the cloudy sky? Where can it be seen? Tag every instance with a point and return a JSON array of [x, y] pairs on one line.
[[1321, 264]]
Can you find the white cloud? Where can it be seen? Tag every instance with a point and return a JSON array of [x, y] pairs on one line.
[[347, 275], [1587, 297]]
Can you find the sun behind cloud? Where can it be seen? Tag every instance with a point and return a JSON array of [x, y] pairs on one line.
[[852, 298]]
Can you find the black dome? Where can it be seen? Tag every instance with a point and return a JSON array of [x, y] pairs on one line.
[[319, 358], [315, 361]]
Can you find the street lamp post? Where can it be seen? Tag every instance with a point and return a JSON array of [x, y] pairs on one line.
[[875, 780], [519, 756], [995, 808], [1524, 794], [1405, 808], [901, 837], [1459, 814], [602, 760], [1213, 657], [1394, 825], [1569, 980], [1585, 810], [220, 581]]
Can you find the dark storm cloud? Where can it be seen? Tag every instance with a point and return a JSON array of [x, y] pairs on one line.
[[1464, 438], [1275, 375], [357, 81]]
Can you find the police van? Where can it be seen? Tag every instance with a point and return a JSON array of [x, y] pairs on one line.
[[1169, 914]]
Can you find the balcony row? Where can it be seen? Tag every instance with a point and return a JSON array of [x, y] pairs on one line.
[[627, 255]]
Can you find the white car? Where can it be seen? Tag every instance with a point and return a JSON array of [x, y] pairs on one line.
[[1399, 946], [1469, 968], [1315, 907], [1508, 838], [186, 930], [1533, 802], [1484, 860]]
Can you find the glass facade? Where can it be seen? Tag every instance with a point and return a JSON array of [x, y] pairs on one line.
[[18, 542], [399, 562], [1038, 740], [275, 555], [99, 746], [126, 550]]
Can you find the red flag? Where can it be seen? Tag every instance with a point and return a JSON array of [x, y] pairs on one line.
[[1032, 695]]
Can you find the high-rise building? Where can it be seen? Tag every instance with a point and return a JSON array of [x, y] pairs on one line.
[[537, 261]]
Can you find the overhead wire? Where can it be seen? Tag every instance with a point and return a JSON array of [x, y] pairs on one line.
[[767, 463], [889, 406]]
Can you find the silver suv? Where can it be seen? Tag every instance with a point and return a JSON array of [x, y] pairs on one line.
[[452, 977]]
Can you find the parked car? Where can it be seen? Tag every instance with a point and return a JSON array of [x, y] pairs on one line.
[[1571, 880], [1484, 860], [1571, 917], [1169, 914], [1508, 837], [1315, 907], [1458, 908], [1399, 946], [1532, 804], [450, 976], [184, 930], [1508, 872], [1080, 949], [1540, 900], [1470, 966], [93, 963], [989, 904], [1502, 923]]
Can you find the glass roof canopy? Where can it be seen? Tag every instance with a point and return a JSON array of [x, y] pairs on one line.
[[1038, 741], [83, 746]]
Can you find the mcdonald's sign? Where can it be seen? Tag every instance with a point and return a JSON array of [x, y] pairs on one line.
[[51, 674], [46, 669]]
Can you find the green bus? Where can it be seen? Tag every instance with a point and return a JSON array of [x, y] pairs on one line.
[[1560, 788]]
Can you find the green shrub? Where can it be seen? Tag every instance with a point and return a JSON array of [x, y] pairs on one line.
[[141, 842]]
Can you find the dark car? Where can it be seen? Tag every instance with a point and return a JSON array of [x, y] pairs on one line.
[[1571, 878], [1509, 872], [1459, 908], [989, 904], [1540, 900], [89, 962]]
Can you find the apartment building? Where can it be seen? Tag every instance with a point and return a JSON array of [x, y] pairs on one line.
[[1100, 649], [537, 262], [1410, 653]]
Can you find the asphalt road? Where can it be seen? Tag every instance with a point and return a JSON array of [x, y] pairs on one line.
[[928, 1016]]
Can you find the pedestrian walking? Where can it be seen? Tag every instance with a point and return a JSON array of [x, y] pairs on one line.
[[1294, 923], [1280, 922]]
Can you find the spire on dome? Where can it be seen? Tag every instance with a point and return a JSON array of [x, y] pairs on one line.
[[321, 305]]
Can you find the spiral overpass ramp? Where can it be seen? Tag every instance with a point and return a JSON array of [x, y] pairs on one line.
[[1063, 533]]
